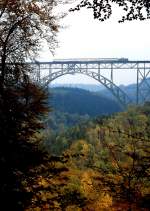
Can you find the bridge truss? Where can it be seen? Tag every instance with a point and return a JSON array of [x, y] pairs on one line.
[[46, 72]]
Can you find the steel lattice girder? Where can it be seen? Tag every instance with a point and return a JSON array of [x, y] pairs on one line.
[[92, 69]]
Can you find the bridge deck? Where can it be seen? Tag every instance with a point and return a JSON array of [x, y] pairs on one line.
[[92, 62]]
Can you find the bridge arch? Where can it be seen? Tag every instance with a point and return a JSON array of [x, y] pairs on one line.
[[119, 94]]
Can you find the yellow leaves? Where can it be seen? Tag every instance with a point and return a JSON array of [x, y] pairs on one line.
[[98, 199], [86, 183], [81, 146], [103, 202], [73, 208], [114, 164], [118, 178], [125, 165], [73, 184], [43, 182]]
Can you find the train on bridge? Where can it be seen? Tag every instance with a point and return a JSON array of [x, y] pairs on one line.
[[92, 59]]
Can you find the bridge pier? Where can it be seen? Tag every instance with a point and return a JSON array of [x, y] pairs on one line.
[[137, 86], [111, 72], [143, 84]]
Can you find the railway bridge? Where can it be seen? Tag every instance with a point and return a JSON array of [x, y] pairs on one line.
[[45, 72]]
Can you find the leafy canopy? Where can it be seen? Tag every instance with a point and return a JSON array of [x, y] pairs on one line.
[[103, 9], [23, 24]]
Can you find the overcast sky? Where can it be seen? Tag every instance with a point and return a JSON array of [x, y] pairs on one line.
[[84, 37]]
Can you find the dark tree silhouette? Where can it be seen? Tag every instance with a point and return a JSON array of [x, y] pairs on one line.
[[103, 9], [23, 26]]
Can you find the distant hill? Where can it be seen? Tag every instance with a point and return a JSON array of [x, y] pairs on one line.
[[130, 90], [81, 102], [88, 87]]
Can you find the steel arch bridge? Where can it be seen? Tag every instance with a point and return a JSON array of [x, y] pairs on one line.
[[46, 72]]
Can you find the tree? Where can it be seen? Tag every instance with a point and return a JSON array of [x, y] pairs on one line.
[[103, 9], [23, 26], [125, 157]]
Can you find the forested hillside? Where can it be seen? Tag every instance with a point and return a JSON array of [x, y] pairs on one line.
[[101, 165], [71, 106], [79, 101]]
